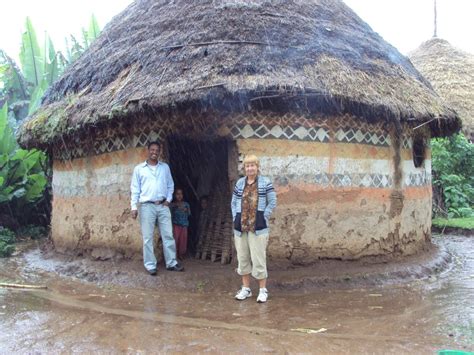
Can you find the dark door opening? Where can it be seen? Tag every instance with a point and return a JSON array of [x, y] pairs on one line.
[[200, 169]]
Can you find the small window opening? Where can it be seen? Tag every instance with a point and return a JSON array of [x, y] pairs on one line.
[[419, 151]]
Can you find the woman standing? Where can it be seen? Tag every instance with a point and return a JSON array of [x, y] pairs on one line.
[[253, 201]]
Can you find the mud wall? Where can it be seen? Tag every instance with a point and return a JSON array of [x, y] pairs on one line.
[[91, 205], [344, 191], [346, 188]]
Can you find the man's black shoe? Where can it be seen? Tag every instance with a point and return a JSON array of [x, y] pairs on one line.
[[177, 267], [152, 272]]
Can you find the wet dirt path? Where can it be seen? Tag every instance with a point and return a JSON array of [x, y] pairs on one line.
[[421, 316]]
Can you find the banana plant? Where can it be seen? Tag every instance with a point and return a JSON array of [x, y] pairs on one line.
[[22, 177], [7, 139], [36, 96], [94, 29], [50, 62], [31, 57], [40, 67], [24, 173]]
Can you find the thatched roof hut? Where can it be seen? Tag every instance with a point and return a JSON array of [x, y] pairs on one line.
[[317, 55], [340, 119], [451, 72]]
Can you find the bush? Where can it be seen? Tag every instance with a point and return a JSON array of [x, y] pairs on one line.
[[23, 180], [7, 236], [453, 172], [32, 232], [6, 250], [7, 240]]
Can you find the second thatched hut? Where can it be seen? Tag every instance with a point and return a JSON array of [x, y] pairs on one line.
[[451, 72]]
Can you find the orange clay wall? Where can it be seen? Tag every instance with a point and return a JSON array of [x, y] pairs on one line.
[[337, 200]]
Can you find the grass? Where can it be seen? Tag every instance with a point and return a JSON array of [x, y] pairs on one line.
[[464, 223], [200, 286]]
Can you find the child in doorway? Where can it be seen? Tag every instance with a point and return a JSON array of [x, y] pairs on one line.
[[180, 211]]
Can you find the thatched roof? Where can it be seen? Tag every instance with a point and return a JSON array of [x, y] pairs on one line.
[[314, 55], [451, 72]]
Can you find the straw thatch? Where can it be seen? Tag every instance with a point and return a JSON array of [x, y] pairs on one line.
[[314, 55], [451, 72]]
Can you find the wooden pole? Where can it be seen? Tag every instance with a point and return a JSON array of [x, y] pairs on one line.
[[36, 287]]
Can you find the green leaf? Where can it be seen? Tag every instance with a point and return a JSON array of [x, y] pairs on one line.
[[24, 161], [7, 236], [5, 194], [3, 120], [38, 93], [23, 178], [85, 38], [94, 29], [3, 160], [6, 249], [51, 67], [7, 139], [68, 57], [30, 55], [36, 185]]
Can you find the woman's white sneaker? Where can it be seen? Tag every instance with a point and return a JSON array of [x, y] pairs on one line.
[[262, 295], [244, 292]]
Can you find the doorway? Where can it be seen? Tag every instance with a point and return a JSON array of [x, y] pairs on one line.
[[200, 169]]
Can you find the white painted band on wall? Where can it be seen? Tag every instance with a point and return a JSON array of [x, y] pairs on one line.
[[112, 179], [340, 172]]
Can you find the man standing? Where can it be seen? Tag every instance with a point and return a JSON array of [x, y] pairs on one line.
[[152, 187]]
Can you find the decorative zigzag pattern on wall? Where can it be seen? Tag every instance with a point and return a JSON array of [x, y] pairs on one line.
[[243, 126]]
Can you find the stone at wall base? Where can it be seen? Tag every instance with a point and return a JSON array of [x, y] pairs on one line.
[[103, 254]]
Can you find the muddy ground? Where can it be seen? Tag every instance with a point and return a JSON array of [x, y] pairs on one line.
[[420, 304]]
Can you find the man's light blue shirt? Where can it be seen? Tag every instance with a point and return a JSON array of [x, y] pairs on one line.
[[150, 184]]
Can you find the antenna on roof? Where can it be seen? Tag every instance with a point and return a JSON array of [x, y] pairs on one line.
[[435, 34]]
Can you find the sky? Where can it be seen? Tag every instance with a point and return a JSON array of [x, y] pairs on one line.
[[403, 23]]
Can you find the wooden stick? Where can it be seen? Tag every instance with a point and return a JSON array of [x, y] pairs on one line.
[[192, 188], [209, 86], [162, 74], [266, 97], [424, 123], [200, 44], [287, 95], [35, 287], [271, 14]]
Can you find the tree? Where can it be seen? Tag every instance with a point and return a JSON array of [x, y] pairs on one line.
[[24, 174], [24, 86], [453, 172]]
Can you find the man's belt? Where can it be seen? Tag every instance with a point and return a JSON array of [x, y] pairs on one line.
[[156, 202]]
